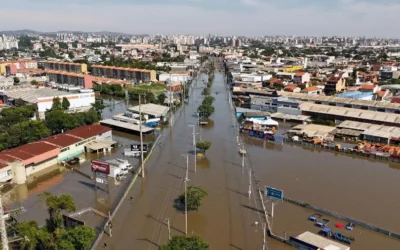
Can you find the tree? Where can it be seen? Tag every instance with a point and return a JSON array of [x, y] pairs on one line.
[[206, 91], [57, 121], [203, 145], [55, 205], [182, 242], [98, 106], [208, 100], [205, 110], [65, 103], [28, 231], [34, 82], [194, 197], [71, 55], [16, 80], [19, 102], [161, 98], [56, 104], [79, 237]]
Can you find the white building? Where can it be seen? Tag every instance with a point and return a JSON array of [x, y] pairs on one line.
[[175, 77], [8, 43], [80, 100]]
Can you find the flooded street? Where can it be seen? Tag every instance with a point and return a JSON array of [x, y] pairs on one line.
[[354, 186]]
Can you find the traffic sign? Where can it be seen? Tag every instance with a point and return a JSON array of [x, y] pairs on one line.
[[137, 147], [274, 193]]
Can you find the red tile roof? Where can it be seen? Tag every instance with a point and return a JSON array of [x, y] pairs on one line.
[[367, 87], [61, 140], [395, 100], [300, 73], [309, 89], [290, 87], [88, 131]]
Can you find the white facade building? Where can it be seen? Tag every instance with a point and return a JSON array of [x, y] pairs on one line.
[[8, 43], [174, 77]]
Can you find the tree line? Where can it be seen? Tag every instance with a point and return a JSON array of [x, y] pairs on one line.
[[18, 127]]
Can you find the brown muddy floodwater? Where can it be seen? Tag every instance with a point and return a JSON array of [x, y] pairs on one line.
[[356, 187]]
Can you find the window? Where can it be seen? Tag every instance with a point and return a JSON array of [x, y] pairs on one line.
[[347, 105], [64, 149], [5, 174], [332, 104], [364, 107]]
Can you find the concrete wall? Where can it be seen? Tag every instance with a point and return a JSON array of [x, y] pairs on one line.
[[33, 169]]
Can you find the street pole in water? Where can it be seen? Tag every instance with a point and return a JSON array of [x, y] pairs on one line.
[[141, 136], [169, 229], [264, 228], [194, 146], [186, 180], [249, 192]]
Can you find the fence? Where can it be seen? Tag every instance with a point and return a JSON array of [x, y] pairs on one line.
[[345, 151], [343, 217]]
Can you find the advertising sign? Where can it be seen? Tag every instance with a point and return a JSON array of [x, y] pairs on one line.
[[137, 147], [101, 180], [100, 167], [274, 193]]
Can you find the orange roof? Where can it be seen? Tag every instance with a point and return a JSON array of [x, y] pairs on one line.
[[121, 68], [290, 87], [367, 87], [309, 89], [88, 131], [301, 73], [380, 93]]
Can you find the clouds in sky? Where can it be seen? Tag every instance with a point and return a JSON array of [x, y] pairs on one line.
[[224, 17]]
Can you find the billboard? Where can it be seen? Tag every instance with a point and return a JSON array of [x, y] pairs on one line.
[[273, 193], [137, 147], [100, 167]]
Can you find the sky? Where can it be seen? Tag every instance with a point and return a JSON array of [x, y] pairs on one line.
[[371, 18]]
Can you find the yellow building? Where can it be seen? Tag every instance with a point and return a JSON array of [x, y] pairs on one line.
[[292, 68]]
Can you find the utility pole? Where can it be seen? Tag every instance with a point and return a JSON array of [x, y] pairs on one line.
[[264, 242], [169, 229], [194, 146], [3, 229], [249, 192], [242, 154], [141, 136], [186, 180]]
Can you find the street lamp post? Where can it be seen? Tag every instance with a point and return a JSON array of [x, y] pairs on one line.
[[141, 136], [185, 181], [194, 146]]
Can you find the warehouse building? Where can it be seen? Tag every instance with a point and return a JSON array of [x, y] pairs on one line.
[[17, 164], [79, 99]]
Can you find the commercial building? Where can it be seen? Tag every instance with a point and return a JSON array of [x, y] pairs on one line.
[[80, 100], [74, 79], [80, 68], [179, 76], [292, 68], [275, 104], [135, 75], [17, 164]]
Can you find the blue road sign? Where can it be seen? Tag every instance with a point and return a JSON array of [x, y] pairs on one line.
[[274, 193]]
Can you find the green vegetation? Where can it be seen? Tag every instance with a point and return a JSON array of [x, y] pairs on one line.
[[34, 82], [161, 98], [17, 127], [48, 52], [194, 197], [53, 235], [203, 145], [185, 243], [120, 62], [65, 103], [16, 80], [25, 42], [323, 122], [206, 91]]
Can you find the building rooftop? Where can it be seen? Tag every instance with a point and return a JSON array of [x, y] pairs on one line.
[[88, 131], [351, 113], [321, 242], [355, 94], [151, 109], [31, 95], [311, 130], [371, 129], [61, 140]]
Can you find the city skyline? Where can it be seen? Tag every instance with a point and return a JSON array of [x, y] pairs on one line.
[[200, 17]]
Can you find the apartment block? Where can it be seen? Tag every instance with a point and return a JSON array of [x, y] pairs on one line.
[[60, 77], [79, 68], [12, 67], [136, 75]]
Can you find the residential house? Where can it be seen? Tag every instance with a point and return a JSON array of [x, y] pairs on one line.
[[292, 88], [301, 77], [334, 85], [313, 90]]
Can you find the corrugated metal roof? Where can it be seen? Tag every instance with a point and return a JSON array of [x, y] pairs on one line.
[[88, 131], [61, 140]]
